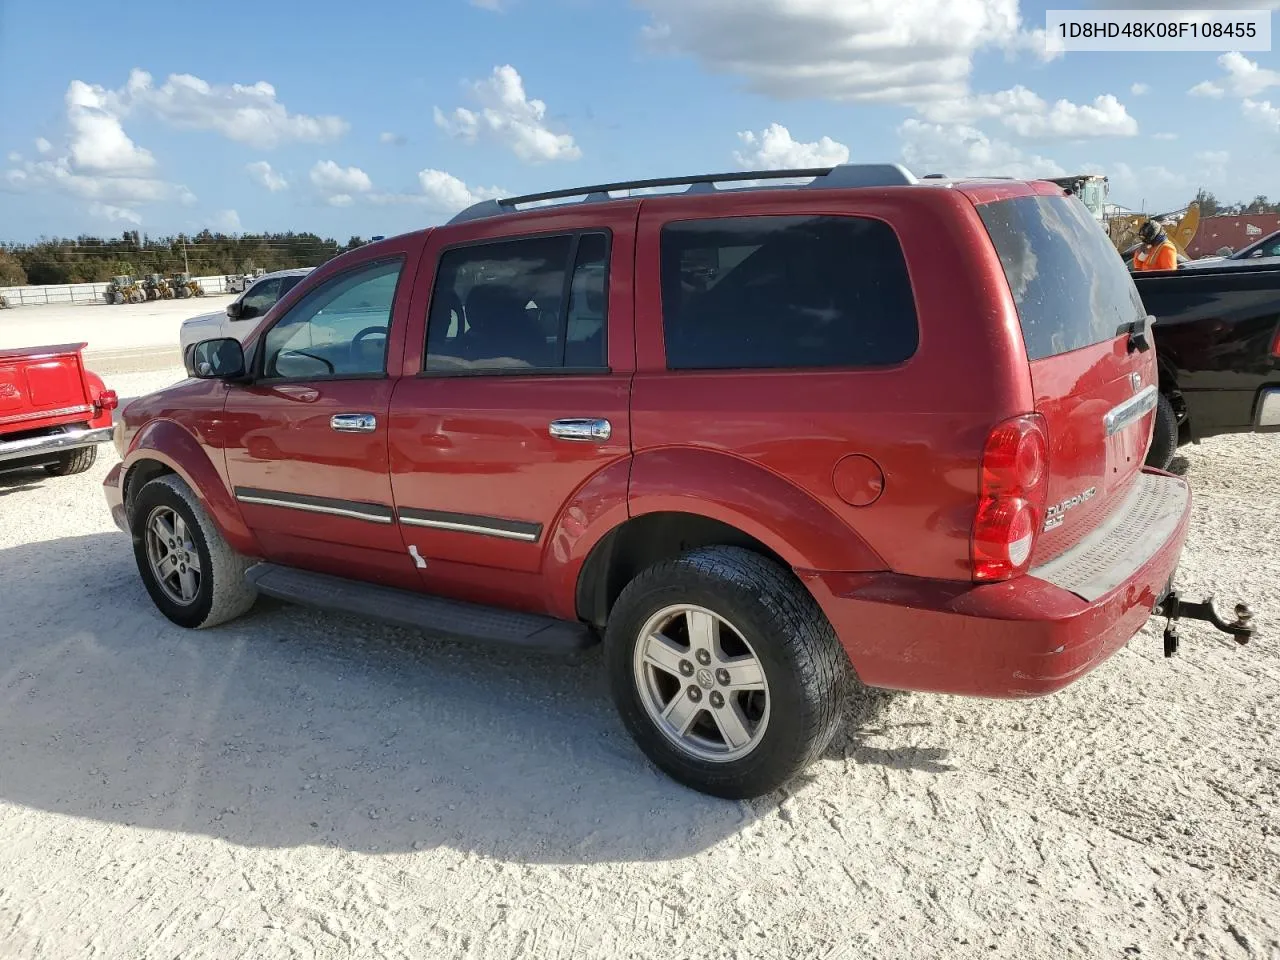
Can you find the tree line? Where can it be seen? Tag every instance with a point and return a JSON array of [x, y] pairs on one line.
[[1211, 207], [87, 259]]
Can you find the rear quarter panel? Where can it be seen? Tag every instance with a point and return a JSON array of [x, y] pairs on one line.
[[923, 422]]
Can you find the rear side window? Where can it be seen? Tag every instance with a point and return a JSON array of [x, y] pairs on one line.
[[1070, 285], [536, 303], [778, 292]]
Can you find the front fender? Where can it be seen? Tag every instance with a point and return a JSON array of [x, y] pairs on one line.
[[790, 522], [170, 444]]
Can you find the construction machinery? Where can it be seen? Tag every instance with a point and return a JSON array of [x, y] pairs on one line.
[[1092, 189], [157, 287], [184, 286], [124, 289]]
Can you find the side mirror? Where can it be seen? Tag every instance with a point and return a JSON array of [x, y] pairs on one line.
[[234, 310], [221, 359]]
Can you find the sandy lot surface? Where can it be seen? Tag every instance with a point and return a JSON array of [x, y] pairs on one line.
[[124, 338], [297, 785]]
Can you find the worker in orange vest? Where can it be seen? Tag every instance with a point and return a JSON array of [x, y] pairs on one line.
[[1157, 251]]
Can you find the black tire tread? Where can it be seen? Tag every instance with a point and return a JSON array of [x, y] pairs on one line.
[[73, 461], [1164, 435], [820, 663], [232, 594]]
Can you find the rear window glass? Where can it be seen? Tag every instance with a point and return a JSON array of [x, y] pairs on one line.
[[1070, 284], [779, 292]]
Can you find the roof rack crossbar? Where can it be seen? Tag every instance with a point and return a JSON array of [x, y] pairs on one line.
[[842, 175]]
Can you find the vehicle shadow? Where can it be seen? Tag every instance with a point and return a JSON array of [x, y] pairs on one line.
[[291, 727], [21, 480]]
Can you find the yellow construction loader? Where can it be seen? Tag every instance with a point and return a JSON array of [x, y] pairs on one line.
[[1122, 228]]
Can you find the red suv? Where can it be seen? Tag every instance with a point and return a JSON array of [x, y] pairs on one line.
[[763, 442]]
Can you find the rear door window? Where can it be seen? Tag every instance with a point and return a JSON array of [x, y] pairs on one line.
[[1069, 283], [536, 303], [785, 292]]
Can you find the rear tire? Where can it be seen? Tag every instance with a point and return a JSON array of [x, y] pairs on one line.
[[73, 461], [758, 619], [167, 521], [1164, 436]]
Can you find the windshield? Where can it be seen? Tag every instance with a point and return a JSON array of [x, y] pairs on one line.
[[1070, 285]]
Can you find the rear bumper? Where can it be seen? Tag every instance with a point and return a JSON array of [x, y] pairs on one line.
[[52, 443], [1024, 638]]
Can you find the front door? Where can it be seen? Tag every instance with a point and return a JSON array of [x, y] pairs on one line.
[[306, 442], [520, 399]]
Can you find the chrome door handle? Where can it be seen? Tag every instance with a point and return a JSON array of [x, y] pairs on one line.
[[353, 422], [587, 430]]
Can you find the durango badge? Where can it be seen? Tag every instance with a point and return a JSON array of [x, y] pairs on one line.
[[1055, 514]]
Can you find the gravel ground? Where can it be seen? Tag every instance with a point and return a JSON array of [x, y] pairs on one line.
[[299, 785]]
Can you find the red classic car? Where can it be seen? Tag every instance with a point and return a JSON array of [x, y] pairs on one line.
[[53, 412]]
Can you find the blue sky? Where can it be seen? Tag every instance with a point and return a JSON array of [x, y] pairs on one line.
[[378, 118]]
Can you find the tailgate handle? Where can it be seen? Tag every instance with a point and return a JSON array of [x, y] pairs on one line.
[[1138, 339], [353, 422]]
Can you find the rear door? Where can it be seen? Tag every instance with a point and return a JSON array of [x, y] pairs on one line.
[[1076, 303]]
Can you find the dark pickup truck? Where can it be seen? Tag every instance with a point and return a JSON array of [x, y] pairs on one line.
[[1217, 339]]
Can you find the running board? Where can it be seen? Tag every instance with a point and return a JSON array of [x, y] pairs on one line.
[[419, 610]]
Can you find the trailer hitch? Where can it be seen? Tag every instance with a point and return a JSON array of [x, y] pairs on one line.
[[1175, 608]]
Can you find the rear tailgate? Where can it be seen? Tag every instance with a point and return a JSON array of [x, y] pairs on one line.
[[1076, 302], [40, 385]]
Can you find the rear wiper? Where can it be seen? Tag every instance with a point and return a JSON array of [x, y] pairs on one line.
[[1138, 339]]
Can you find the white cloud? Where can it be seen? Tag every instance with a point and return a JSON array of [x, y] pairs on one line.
[[332, 180], [1029, 115], [15, 156], [226, 221], [963, 151], [61, 175], [339, 200], [43, 145], [1262, 112], [1139, 89], [245, 113], [445, 193], [507, 116], [1206, 88], [114, 214], [393, 139], [872, 50], [1151, 179], [774, 149], [1164, 136], [261, 171], [1244, 78], [98, 140]]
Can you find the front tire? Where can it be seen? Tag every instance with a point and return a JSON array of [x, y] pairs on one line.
[[1164, 435], [725, 671], [192, 575], [73, 461]]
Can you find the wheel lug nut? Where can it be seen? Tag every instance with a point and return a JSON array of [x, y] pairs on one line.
[[695, 694], [703, 657], [722, 677], [686, 668], [717, 700]]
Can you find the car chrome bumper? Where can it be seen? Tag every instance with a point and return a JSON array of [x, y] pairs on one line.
[[52, 443], [1269, 408]]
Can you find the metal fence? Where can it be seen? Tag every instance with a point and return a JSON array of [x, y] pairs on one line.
[[83, 292]]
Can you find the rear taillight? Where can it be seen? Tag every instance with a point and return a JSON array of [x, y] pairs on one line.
[[1275, 345], [107, 400], [1011, 500]]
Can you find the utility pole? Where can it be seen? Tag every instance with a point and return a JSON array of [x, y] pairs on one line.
[[186, 265]]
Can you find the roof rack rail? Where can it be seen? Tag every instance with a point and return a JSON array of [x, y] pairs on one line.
[[841, 175]]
